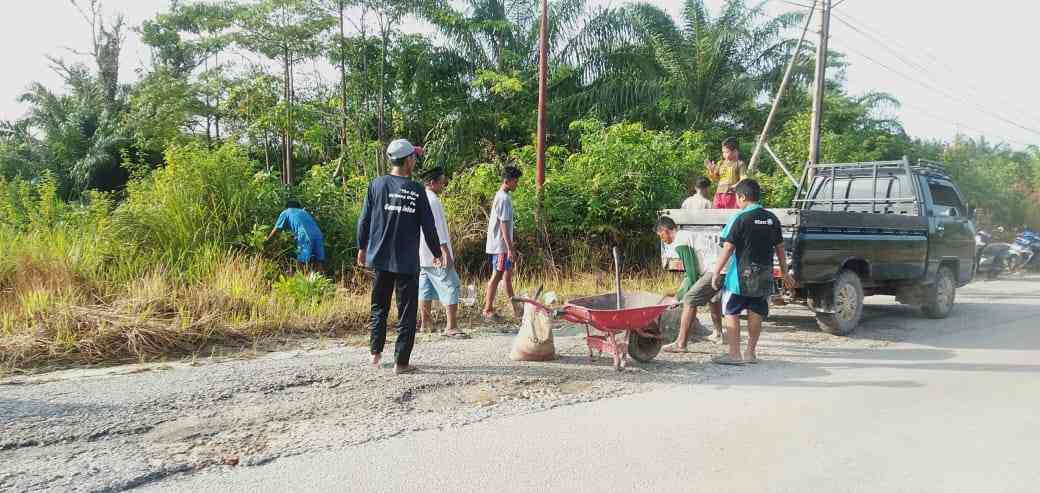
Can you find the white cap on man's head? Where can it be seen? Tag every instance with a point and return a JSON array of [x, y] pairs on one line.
[[402, 148]]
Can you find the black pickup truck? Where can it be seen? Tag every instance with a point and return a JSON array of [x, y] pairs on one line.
[[861, 229]]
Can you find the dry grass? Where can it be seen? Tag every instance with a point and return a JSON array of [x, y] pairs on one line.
[[55, 318]]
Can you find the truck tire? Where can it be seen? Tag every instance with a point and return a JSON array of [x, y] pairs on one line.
[[848, 305], [940, 295]]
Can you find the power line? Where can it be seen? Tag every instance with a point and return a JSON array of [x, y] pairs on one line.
[[934, 60], [933, 87]]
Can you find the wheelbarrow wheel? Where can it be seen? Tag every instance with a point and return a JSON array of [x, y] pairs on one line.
[[645, 349]]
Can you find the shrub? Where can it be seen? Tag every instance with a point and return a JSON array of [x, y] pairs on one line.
[[192, 211], [609, 191], [304, 289]]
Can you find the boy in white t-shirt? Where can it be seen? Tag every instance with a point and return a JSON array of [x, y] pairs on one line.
[[702, 199], [438, 282], [499, 246]]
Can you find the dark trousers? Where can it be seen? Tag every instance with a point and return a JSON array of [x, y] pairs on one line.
[[407, 286]]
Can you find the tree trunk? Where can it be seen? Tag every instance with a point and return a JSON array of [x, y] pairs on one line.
[[382, 99], [343, 84], [286, 137]]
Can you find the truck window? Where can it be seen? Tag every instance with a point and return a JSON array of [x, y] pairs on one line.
[[946, 200], [822, 195], [861, 191]]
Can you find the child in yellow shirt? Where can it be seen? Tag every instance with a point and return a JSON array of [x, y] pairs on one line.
[[727, 174]]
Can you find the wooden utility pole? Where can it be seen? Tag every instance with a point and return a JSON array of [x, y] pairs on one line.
[[752, 166], [820, 82], [543, 55]]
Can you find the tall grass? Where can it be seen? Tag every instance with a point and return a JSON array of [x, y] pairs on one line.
[[178, 263]]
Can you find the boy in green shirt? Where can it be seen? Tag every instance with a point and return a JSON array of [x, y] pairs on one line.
[[696, 288]]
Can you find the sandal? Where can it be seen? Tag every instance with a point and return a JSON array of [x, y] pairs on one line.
[[401, 370], [752, 360], [674, 348], [726, 359], [494, 317]]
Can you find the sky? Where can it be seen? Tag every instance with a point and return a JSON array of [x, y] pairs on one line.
[[956, 66]]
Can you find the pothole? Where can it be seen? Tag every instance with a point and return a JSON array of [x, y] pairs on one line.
[[490, 392]]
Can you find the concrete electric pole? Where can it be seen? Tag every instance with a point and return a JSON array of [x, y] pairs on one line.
[[820, 82]]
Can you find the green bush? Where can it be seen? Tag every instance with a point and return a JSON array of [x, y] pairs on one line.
[[607, 193], [194, 209], [304, 289]]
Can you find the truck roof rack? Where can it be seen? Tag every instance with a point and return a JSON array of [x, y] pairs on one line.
[[802, 193]]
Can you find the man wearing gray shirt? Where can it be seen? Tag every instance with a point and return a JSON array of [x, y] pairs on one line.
[[499, 245]]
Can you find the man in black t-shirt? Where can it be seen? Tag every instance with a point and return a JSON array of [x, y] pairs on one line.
[[750, 240], [395, 209]]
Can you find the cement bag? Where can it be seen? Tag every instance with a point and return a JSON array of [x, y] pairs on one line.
[[535, 340]]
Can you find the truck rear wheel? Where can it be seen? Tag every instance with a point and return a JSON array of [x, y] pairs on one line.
[[940, 295], [848, 305]]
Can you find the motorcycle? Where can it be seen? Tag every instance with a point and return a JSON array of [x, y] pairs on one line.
[[991, 259], [1024, 251]]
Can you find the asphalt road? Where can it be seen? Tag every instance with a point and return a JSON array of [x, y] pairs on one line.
[[907, 404]]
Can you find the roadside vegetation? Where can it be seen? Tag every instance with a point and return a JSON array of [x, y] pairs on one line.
[[132, 215]]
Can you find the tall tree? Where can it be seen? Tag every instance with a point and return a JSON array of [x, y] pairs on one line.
[[705, 67], [287, 31]]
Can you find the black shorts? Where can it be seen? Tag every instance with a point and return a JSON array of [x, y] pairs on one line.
[[735, 304]]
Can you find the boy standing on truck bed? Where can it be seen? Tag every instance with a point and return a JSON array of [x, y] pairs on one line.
[[750, 240], [727, 174], [696, 290]]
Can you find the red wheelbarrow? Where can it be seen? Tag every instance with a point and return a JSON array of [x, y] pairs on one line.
[[638, 316]]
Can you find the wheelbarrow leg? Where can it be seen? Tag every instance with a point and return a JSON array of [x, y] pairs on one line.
[[592, 356]]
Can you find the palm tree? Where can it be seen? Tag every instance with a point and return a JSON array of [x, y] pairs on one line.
[[494, 47], [80, 134], [697, 71]]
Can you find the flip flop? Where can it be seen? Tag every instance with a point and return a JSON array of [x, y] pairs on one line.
[[494, 317], [726, 359], [751, 361], [674, 348], [455, 335], [402, 371]]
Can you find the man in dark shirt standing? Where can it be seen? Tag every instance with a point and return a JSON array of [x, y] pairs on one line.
[[395, 209], [750, 240]]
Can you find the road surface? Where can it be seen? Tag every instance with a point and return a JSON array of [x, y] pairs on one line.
[[951, 409], [907, 404]]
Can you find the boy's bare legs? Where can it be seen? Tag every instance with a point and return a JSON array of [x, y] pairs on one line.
[[733, 335], [453, 313], [716, 320], [426, 316], [492, 290], [689, 314], [754, 323], [510, 294]]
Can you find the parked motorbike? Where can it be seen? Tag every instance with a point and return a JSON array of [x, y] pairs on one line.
[[1024, 251], [991, 259]]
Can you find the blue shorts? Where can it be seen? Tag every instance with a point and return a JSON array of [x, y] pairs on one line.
[[500, 262], [308, 250], [735, 304], [439, 284]]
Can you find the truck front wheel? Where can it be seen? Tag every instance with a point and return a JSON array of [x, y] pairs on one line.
[[847, 306], [939, 296]]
